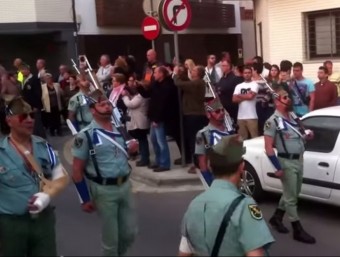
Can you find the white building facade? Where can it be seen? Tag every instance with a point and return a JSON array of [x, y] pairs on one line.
[[306, 31]]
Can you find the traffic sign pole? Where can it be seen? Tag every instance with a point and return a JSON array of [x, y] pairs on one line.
[[175, 15], [153, 41], [179, 93]]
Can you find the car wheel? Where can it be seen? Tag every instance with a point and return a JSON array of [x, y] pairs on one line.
[[251, 184]]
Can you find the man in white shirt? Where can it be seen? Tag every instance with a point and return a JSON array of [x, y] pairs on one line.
[[104, 72], [245, 95]]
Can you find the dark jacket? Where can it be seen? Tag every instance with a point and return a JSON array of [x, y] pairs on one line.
[[225, 88], [32, 92], [160, 94]]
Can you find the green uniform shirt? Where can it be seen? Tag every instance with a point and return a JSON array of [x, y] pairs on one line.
[[79, 105], [111, 160], [17, 183], [290, 131], [212, 136], [246, 231]]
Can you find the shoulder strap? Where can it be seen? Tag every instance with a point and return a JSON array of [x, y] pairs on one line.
[[224, 225], [29, 158], [206, 145], [92, 152], [281, 135], [302, 97]]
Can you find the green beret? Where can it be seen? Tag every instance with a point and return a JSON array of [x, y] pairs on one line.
[[16, 105], [213, 105], [228, 151], [97, 96]]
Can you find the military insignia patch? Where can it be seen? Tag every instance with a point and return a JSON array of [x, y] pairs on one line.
[[199, 140], [78, 142], [255, 212], [267, 125]]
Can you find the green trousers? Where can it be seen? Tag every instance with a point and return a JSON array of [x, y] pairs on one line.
[[27, 236], [116, 211], [291, 184]]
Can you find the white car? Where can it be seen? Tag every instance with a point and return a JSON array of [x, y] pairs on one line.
[[321, 169]]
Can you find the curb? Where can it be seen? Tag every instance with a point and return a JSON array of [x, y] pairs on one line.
[[176, 177]]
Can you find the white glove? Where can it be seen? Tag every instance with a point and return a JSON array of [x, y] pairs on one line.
[[308, 132], [41, 202]]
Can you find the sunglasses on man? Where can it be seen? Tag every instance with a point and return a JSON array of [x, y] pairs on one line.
[[24, 116]]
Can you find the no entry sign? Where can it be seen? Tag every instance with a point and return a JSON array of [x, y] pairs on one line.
[[150, 28], [175, 14]]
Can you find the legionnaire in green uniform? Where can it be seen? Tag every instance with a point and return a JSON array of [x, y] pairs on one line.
[[210, 135], [282, 132], [100, 154], [222, 221], [78, 107], [27, 221]]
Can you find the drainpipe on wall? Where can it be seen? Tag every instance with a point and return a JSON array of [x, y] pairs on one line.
[[255, 27]]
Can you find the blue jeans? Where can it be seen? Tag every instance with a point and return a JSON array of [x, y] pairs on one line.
[[160, 146]]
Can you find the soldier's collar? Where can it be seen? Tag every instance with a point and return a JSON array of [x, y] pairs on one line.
[[212, 127], [279, 114], [225, 184], [96, 126], [4, 143]]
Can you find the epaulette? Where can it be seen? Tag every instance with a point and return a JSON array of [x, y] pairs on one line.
[[203, 129]]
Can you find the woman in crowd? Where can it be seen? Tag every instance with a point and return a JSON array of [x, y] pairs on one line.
[[51, 99], [194, 118], [118, 86], [138, 124], [189, 65], [274, 74]]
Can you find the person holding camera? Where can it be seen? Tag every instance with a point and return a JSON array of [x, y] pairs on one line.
[[137, 123]]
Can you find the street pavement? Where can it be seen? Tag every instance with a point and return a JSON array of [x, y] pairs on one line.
[[159, 220]]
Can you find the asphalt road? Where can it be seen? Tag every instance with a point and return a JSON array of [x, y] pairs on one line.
[[160, 215]]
